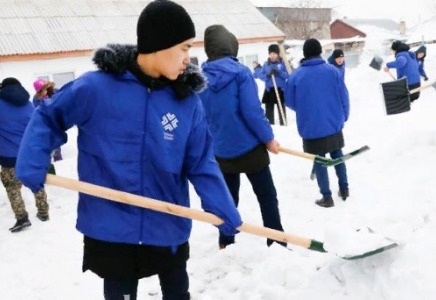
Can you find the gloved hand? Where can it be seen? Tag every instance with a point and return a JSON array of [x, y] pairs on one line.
[[425, 78], [273, 72]]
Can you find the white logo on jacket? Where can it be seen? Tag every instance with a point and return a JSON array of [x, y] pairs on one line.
[[169, 123]]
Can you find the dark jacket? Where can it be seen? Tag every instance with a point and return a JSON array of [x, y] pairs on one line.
[[15, 113], [134, 135], [317, 93]]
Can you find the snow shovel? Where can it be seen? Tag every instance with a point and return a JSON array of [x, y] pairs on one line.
[[377, 62], [396, 96], [326, 162], [194, 214], [344, 158]]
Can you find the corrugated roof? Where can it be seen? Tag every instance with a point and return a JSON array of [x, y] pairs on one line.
[[49, 26]]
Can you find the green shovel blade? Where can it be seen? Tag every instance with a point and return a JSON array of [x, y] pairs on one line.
[[371, 253]]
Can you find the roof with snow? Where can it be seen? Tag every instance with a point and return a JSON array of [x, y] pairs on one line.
[[52, 26]]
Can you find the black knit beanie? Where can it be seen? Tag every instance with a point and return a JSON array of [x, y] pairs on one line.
[[338, 53], [219, 42], [312, 48], [274, 48], [399, 46], [10, 81], [162, 25]]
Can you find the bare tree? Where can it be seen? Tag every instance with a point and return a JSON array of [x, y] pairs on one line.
[[303, 19]]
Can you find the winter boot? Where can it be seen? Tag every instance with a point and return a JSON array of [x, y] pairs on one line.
[[328, 202], [21, 224], [344, 194], [42, 217]]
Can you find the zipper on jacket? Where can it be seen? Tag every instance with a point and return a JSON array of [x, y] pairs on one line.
[[142, 160]]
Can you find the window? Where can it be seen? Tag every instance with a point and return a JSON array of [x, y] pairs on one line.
[[249, 60], [60, 79], [194, 60]]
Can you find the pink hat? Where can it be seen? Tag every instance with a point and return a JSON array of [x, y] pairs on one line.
[[38, 84]]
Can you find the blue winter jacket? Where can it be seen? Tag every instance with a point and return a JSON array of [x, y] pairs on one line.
[[233, 110], [280, 76], [133, 139], [406, 65], [15, 113], [318, 95], [420, 61], [257, 71]]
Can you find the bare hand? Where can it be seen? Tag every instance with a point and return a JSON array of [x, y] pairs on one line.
[[273, 146], [386, 69]]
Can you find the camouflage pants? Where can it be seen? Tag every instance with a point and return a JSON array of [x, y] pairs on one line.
[[13, 189]]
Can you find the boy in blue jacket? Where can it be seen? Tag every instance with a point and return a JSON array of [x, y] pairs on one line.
[[238, 125], [421, 53], [317, 93], [406, 65], [274, 66], [15, 113], [141, 130]]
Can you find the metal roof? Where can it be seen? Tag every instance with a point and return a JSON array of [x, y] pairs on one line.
[[50, 26]]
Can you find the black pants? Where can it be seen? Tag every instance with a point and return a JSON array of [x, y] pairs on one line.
[[263, 186], [174, 285], [270, 100], [414, 96], [269, 113]]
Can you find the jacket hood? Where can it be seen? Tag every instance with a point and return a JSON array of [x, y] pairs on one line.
[[117, 59], [219, 42], [421, 49], [15, 94], [221, 71], [406, 53], [312, 61]]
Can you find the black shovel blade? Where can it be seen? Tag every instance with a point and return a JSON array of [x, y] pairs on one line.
[[376, 63], [396, 96]]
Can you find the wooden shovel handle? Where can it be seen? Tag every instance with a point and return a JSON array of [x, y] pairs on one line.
[[422, 87], [297, 153], [279, 101], [285, 58], [169, 208]]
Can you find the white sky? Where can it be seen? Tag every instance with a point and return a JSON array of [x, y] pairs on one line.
[[410, 11], [392, 191]]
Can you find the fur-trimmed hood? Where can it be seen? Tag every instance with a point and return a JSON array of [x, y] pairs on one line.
[[117, 59]]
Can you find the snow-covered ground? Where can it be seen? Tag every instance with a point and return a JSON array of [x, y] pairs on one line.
[[392, 193]]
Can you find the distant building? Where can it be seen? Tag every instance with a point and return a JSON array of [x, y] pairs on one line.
[[342, 30], [55, 40], [387, 24], [299, 23], [348, 38]]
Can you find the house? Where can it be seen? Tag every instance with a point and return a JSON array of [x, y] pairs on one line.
[[300, 22], [55, 39]]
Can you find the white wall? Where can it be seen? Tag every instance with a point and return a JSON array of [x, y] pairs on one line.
[[27, 71], [261, 49]]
